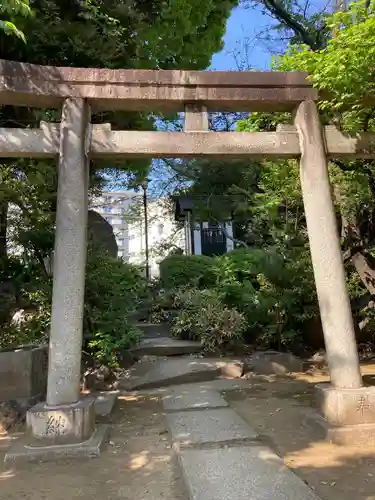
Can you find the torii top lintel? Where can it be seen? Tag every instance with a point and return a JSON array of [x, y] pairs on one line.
[[24, 84]]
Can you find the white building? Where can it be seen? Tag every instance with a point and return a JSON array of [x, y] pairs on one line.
[[125, 212]]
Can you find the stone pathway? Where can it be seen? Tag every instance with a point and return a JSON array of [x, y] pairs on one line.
[[221, 456]]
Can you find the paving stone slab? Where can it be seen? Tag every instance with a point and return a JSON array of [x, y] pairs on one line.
[[208, 426], [165, 346], [193, 398], [219, 384], [240, 473], [170, 372]]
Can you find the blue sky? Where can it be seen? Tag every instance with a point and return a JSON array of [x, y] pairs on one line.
[[242, 28]]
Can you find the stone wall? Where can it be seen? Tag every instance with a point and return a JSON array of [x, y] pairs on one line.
[[23, 373]]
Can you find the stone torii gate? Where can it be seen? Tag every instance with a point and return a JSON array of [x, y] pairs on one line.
[[65, 422]]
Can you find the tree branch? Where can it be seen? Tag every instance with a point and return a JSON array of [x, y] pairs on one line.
[[279, 12]]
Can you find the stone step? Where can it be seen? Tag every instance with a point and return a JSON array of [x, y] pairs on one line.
[[165, 346], [184, 370], [154, 330]]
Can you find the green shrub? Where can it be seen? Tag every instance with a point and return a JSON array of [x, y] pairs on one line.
[[273, 288], [238, 265], [187, 270], [30, 297], [203, 316], [112, 290], [162, 306], [107, 347]]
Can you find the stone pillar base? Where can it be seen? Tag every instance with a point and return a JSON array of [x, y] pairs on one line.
[[347, 416], [51, 425], [59, 431]]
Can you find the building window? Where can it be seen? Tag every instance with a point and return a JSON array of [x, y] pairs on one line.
[[121, 241], [107, 209], [160, 229]]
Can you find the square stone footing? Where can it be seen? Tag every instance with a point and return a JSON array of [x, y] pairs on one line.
[[21, 452], [347, 435], [63, 424], [104, 402], [342, 407], [344, 416]]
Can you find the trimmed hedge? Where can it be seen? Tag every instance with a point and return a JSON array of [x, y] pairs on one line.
[[187, 270]]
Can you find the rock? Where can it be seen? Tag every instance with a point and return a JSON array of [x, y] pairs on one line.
[[104, 372], [165, 346], [232, 369], [101, 232], [276, 363], [100, 378], [319, 357], [18, 318], [8, 416]]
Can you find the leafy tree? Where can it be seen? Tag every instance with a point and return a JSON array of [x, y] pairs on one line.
[[92, 33], [292, 21], [115, 34], [13, 9], [342, 70], [154, 34], [273, 207]]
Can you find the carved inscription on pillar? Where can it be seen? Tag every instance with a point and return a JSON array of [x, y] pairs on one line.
[[363, 405], [54, 424]]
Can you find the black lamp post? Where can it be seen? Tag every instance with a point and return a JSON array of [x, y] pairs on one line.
[[144, 186]]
